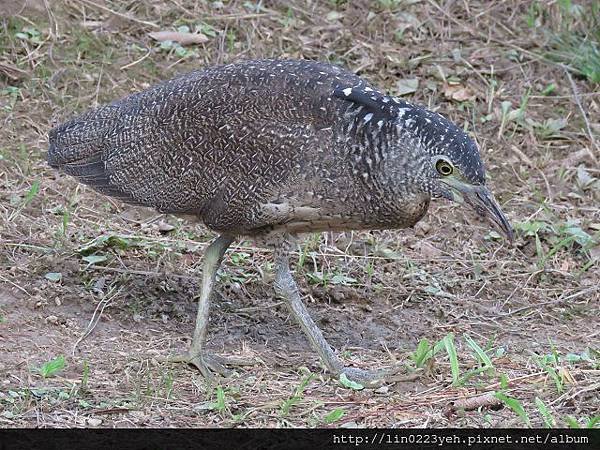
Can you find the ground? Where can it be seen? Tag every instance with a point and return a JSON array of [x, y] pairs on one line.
[[93, 293]]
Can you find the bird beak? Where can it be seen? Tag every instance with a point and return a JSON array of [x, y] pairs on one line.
[[482, 201]]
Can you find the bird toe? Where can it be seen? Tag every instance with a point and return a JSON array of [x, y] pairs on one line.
[[376, 378], [209, 364]]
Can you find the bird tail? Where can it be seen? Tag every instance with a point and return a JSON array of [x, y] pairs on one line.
[[78, 148], [79, 139]]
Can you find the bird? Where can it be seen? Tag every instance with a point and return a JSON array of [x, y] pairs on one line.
[[270, 149]]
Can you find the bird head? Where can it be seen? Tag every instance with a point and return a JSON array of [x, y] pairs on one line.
[[454, 179], [425, 151], [454, 169]]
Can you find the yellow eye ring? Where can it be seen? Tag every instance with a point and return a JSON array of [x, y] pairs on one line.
[[444, 168]]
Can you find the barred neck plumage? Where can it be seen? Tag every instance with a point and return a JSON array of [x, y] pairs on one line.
[[386, 129]]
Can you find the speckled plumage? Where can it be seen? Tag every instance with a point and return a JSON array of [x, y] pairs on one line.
[[271, 148], [258, 145]]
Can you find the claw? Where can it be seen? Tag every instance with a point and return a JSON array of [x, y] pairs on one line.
[[375, 378], [208, 364]]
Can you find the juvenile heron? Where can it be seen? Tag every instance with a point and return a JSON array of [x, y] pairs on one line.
[[268, 149]]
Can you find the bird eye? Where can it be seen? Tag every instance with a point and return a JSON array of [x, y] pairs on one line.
[[443, 167]]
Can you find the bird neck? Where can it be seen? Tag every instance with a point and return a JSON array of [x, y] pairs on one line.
[[387, 163]]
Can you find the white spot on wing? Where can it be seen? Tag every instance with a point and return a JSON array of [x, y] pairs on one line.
[[347, 91], [402, 111]]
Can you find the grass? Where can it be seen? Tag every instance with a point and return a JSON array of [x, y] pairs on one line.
[[449, 297], [547, 417], [578, 47], [553, 364], [52, 367], [572, 31], [334, 416], [297, 396], [580, 53]]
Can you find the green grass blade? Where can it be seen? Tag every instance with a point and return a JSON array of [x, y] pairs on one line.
[[470, 374], [220, 399], [52, 367], [593, 422], [547, 417], [287, 405], [348, 383], [551, 371], [481, 355], [539, 251], [422, 353], [572, 422], [504, 382], [334, 415], [452, 355], [515, 405], [31, 193]]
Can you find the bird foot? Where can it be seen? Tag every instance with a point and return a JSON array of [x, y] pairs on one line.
[[376, 378], [209, 364]]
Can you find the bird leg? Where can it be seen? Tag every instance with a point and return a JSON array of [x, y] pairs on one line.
[[196, 355], [286, 287]]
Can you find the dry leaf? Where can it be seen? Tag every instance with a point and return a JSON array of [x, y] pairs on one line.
[[407, 86], [165, 227], [11, 71], [566, 265], [94, 422], [177, 36], [458, 92], [574, 158], [427, 250], [484, 400], [92, 24], [333, 16], [26, 8]]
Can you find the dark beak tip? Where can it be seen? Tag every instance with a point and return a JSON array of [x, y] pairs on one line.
[[505, 227], [486, 200], [510, 235]]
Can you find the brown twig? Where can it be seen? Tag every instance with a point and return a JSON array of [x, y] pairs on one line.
[[584, 115], [551, 302], [468, 404], [119, 14]]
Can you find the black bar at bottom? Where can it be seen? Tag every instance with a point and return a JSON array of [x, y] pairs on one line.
[[172, 439]]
